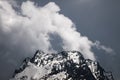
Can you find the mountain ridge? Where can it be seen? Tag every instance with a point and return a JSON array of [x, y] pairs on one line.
[[65, 65]]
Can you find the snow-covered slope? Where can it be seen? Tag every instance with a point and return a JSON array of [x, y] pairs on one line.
[[66, 65]]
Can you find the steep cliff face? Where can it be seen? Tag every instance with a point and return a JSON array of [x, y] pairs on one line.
[[66, 65]]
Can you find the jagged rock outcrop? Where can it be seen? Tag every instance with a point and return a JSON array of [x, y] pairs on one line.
[[66, 65]]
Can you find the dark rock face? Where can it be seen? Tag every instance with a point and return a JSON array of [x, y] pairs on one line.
[[66, 65]]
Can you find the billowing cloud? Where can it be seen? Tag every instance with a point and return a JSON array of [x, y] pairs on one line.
[[30, 29]]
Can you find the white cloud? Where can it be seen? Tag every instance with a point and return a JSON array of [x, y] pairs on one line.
[[31, 30], [102, 47]]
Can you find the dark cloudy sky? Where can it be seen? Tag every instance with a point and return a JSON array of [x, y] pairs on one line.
[[97, 20]]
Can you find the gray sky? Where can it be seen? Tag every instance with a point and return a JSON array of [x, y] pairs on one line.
[[96, 19]]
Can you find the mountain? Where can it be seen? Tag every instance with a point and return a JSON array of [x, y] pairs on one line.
[[66, 65]]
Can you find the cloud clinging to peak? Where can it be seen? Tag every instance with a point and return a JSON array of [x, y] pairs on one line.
[[30, 29]]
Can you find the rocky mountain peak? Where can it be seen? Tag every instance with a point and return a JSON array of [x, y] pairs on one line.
[[65, 65]]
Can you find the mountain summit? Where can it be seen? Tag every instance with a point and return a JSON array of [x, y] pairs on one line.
[[66, 65]]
